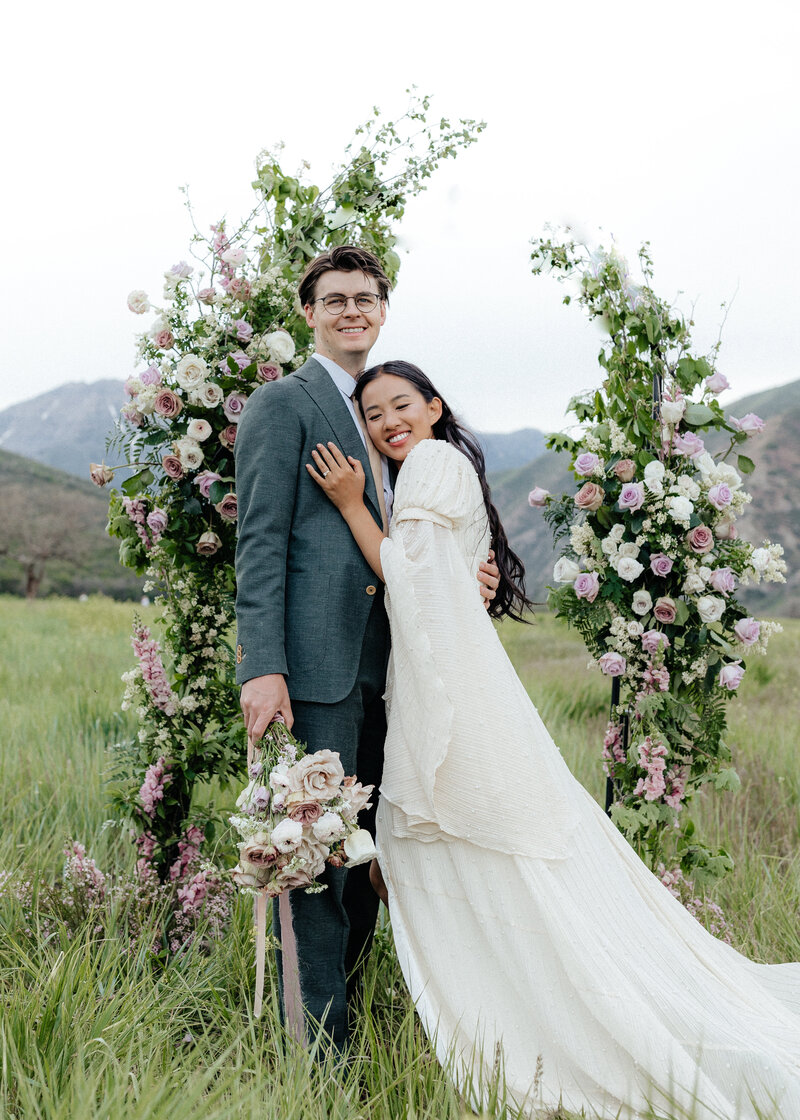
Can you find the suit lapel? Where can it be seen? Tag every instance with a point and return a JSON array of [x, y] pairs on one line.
[[323, 392]]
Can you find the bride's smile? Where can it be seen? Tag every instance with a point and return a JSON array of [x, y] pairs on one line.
[[398, 416]]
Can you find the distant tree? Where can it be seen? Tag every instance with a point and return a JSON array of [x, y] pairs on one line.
[[35, 533]]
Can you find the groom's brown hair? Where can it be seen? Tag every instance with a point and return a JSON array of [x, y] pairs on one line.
[[342, 258]]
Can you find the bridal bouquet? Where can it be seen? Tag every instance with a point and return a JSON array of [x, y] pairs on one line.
[[298, 812]]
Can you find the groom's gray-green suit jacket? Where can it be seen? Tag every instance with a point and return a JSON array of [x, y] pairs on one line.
[[304, 591]]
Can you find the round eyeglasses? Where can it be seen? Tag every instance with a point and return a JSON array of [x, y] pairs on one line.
[[335, 304]]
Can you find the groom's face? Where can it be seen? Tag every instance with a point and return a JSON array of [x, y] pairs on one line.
[[347, 336]]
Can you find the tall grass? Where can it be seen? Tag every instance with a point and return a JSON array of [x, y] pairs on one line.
[[91, 1029]]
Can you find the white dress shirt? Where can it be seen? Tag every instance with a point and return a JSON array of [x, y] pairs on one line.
[[346, 383]]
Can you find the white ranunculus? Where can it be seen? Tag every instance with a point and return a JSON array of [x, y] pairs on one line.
[[680, 509], [629, 549], [328, 827], [642, 602], [628, 568], [199, 430], [565, 570], [710, 608], [359, 848], [280, 346], [191, 371], [287, 836], [189, 453], [672, 411]]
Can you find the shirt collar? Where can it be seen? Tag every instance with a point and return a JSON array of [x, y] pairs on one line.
[[343, 380]]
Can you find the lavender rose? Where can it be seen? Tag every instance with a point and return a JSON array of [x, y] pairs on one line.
[[234, 405], [208, 544], [720, 495], [205, 480], [267, 371], [747, 630], [157, 521], [227, 508], [168, 404], [590, 496], [586, 586], [538, 496], [208, 296], [587, 463], [730, 676], [723, 580], [652, 640], [625, 469], [172, 466], [688, 444], [631, 496], [660, 564], [750, 424], [665, 609], [151, 376], [612, 664], [164, 340], [717, 382], [700, 539], [244, 332]]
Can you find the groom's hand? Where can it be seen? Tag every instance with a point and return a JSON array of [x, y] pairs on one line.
[[261, 699], [488, 579]]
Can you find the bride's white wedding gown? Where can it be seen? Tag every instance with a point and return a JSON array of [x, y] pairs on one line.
[[526, 927]]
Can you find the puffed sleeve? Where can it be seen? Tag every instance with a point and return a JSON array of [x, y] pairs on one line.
[[464, 738]]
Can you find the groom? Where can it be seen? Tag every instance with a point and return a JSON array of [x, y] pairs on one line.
[[313, 637]]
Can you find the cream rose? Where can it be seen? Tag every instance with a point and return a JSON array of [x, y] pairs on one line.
[[189, 453], [199, 430], [710, 608], [138, 302], [207, 395], [320, 774], [191, 371], [280, 346], [565, 570]]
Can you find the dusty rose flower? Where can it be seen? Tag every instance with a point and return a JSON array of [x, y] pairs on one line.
[[538, 496], [717, 382], [267, 371], [259, 851], [307, 812], [337, 859], [248, 875], [227, 508], [631, 496], [234, 405], [590, 496], [747, 630], [208, 296], [138, 302], [100, 474], [168, 404], [750, 424], [586, 586], [287, 880], [700, 539], [665, 609], [164, 340], [625, 469], [227, 437], [320, 774], [652, 640], [199, 430], [612, 664], [723, 580], [730, 676], [205, 480], [172, 466], [720, 495], [208, 544], [660, 564], [240, 289]]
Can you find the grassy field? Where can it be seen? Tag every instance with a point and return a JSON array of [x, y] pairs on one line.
[[91, 1030]]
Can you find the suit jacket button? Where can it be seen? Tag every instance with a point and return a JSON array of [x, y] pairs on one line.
[[371, 589]]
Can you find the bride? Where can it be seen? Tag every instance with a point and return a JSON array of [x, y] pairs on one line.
[[529, 933]]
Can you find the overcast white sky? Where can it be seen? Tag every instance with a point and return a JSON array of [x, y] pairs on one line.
[[675, 122]]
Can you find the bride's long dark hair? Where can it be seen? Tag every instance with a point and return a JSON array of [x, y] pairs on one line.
[[510, 598]]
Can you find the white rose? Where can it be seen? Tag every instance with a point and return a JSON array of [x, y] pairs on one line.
[[243, 800], [359, 848], [635, 629], [628, 568], [617, 533], [199, 430], [287, 836], [189, 452], [704, 572], [328, 827], [207, 395], [705, 464], [191, 371], [654, 477], [688, 487], [693, 583], [760, 559], [710, 608], [642, 602], [565, 570], [234, 256], [629, 549], [138, 302], [280, 346], [724, 472], [680, 509], [672, 411], [609, 546]]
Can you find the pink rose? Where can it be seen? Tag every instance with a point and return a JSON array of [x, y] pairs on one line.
[[227, 508], [172, 466], [717, 382], [631, 496], [357, 795], [151, 376], [747, 630], [157, 521], [612, 664], [262, 855], [720, 495], [586, 586], [132, 414], [700, 539], [590, 496], [625, 469], [723, 580], [244, 332], [688, 444], [168, 404], [164, 340], [587, 463], [267, 371], [207, 296], [320, 774], [730, 676], [652, 640], [240, 289], [227, 436], [208, 544], [233, 406], [750, 424], [660, 564], [240, 358], [205, 479], [100, 474], [665, 609], [538, 496]]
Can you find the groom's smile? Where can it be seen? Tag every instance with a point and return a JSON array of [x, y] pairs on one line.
[[346, 315]]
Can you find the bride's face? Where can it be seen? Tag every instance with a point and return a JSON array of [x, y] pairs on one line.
[[397, 415]]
